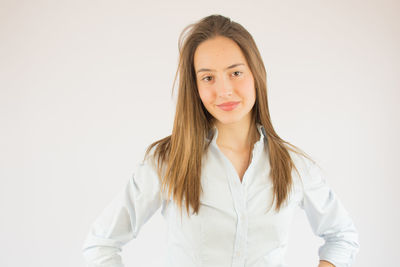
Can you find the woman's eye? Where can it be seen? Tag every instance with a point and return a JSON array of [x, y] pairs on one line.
[[237, 73], [209, 78]]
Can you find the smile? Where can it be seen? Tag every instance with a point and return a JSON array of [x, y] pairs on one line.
[[228, 106]]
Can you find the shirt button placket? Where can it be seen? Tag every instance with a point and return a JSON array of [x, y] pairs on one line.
[[241, 231]]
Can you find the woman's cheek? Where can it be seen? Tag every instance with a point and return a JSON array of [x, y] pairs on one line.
[[206, 96]]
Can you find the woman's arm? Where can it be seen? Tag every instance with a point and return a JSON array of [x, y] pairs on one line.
[[329, 219], [122, 219]]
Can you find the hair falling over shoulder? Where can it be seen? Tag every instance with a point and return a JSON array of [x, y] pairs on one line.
[[179, 156]]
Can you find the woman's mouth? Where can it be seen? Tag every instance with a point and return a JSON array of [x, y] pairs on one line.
[[227, 106]]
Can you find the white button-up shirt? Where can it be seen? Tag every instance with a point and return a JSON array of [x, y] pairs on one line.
[[236, 226]]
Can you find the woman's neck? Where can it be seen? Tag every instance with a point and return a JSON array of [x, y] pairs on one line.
[[237, 136]]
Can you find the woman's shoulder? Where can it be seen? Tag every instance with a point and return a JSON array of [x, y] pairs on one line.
[[154, 152], [145, 170], [300, 160], [308, 171]]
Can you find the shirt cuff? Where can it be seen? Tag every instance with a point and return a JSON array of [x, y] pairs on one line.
[[340, 257]]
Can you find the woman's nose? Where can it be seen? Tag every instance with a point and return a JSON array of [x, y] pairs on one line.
[[224, 87]]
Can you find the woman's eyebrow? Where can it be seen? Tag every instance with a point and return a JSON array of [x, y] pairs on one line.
[[229, 67]]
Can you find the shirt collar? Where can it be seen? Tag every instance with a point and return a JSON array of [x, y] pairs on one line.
[[260, 128]]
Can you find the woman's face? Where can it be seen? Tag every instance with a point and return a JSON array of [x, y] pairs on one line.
[[223, 76]]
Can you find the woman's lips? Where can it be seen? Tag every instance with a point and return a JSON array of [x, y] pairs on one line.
[[228, 106]]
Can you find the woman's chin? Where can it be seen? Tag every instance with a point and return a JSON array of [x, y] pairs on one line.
[[227, 121]]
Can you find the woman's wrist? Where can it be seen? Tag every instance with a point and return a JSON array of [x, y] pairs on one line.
[[323, 263]]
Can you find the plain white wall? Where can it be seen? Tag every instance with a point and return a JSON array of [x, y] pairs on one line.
[[85, 86]]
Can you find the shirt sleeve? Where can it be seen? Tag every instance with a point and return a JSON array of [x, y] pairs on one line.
[[329, 219], [122, 218]]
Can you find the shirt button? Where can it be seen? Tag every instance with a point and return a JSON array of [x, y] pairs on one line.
[[238, 254]]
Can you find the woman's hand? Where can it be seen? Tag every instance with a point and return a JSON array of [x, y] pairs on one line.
[[323, 263]]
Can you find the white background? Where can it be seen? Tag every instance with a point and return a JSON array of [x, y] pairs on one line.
[[85, 87]]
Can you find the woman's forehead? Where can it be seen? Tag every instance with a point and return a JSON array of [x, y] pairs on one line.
[[218, 53]]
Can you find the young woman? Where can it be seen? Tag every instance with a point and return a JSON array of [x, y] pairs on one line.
[[238, 182]]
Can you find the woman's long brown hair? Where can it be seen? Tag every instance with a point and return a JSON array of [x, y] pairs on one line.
[[179, 155]]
